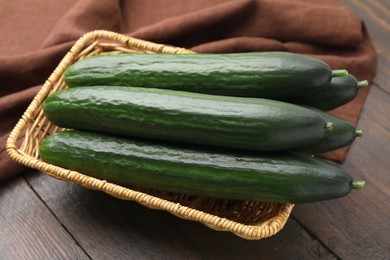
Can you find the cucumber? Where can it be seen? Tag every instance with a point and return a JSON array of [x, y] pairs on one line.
[[271, 75], [242, 123], [343, 134], [283, 177], [341, 90]]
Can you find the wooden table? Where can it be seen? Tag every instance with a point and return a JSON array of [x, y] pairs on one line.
[[43, 218]]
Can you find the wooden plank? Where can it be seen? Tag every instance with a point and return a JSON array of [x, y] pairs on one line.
[[376, 16], [28, 230], [358, 226], [107, 227]]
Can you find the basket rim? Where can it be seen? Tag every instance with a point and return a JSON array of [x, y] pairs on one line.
[[250, 232]]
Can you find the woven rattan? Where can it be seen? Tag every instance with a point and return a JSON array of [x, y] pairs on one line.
[[251, 220]]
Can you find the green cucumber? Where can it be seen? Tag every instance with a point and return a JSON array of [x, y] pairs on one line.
[[343, 134], [341, 90], [235, 122], [272, 75], [283, 177]]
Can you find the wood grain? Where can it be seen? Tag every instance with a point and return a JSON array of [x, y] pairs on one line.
[[357, 226], [107, 227], [28, 230]]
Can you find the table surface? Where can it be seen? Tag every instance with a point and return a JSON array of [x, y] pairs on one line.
[[44, 218]]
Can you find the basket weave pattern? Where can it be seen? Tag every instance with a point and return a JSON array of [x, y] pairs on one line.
[[251, 220]]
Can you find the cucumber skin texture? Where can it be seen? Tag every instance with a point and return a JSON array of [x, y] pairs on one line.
[[257, 74], [341, 90], [242, 123], [342, 135], [282, 177]]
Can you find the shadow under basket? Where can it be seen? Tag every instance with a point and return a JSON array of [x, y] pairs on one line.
[[250, 220]]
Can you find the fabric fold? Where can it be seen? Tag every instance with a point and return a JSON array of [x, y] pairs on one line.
[[267, 19], [85, 16]]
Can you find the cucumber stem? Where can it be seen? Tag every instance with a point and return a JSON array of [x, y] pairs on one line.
[[329, 126], [358, 133], [362, 84], [339, 73], [358, 185]]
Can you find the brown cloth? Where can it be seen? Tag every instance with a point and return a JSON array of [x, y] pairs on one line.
[[37, 34]]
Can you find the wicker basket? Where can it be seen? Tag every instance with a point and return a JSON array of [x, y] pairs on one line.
[[248, 219]]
